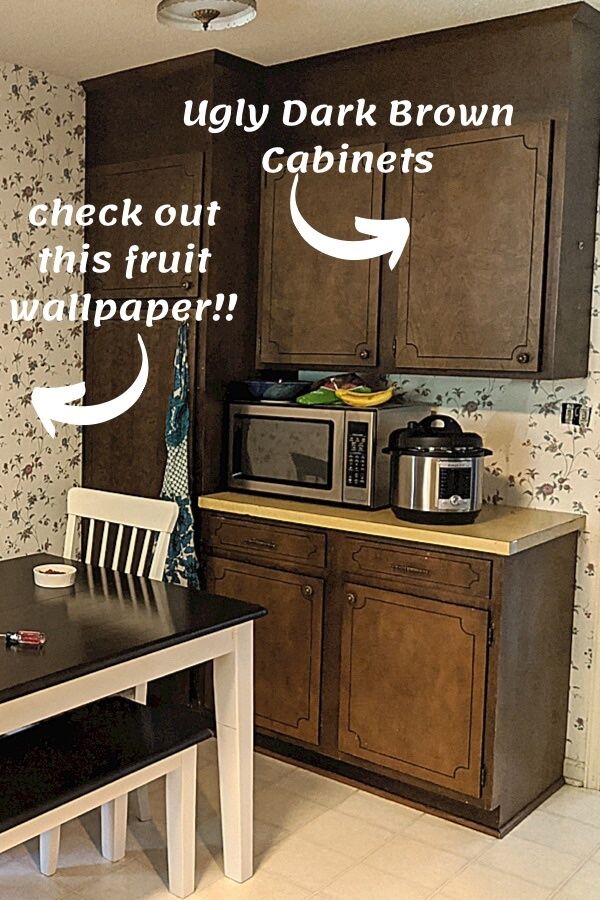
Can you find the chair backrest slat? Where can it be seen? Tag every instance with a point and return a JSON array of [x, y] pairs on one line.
[[131, 551], [117, 551], [160, 555], [105, 532], [144, 552], [90, 542], [69, 551], [131, 515]]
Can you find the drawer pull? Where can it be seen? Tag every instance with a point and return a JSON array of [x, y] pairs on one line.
[[263, 545], [410, 570], [307, 591]]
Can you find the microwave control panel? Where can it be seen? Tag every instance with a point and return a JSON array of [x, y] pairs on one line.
[[357, 450]]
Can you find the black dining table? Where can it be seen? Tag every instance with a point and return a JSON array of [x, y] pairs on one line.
[[111, 632]]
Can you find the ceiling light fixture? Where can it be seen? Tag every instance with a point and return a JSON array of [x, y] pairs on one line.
[[211, 15]]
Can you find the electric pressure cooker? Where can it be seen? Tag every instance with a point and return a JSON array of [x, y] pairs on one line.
[[436, 472]]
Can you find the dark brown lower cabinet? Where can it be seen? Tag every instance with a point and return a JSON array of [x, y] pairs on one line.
[[287, 657], [412, 685], [437, 676]]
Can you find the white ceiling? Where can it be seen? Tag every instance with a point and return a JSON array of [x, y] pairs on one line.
[[83, 38]]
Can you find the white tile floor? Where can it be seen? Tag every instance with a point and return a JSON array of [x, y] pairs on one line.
[[317, 838]]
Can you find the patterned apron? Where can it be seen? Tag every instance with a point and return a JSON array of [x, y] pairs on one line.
[[182, 562]]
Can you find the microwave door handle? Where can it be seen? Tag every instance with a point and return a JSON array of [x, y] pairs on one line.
[[236, 449]]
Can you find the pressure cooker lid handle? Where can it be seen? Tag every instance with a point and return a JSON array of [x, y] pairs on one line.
[[448, 423]]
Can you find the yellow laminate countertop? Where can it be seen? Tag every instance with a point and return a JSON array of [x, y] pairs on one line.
[[501, 530]]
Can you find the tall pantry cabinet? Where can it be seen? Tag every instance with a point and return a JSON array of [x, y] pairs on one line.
[[139, 147]]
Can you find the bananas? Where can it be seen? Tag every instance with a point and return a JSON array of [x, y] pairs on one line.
[[362, 400]]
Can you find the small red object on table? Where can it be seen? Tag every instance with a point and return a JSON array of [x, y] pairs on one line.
[[24, 638]]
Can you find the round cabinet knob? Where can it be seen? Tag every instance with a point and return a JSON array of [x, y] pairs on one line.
[[186, 285], [352, 599], [523, 358], [364, 354], [307, 591]]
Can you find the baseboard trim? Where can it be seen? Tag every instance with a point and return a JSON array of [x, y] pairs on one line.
[[574, 772]]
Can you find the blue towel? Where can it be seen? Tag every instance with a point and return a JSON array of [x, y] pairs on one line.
[[182, 562]]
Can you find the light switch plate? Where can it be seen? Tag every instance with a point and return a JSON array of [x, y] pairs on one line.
[[575, 414]]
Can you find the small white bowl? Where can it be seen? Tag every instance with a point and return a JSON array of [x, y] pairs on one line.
[[54, 575]]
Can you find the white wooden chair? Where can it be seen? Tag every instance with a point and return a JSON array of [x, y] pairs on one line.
[[143, 530], [143, 517]]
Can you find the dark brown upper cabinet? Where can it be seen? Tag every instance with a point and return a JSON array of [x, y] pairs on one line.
[[521, 313], [316, 310], [173, 180], [470, 283]]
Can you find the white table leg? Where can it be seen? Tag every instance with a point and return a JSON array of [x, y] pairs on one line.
[[114, 828], [141, 797], [181, 825], [141, 804], [49, 845], [234, 709]]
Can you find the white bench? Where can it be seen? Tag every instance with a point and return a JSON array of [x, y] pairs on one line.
[[93, 756]]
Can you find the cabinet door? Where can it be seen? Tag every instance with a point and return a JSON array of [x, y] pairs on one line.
[[471, 279], [287, 643], [173, 180], [317, 310], [127, 454], [412, 692]]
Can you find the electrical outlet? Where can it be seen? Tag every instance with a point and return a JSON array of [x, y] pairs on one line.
[[575, 414]]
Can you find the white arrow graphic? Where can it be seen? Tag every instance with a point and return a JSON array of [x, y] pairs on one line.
[[52, 403], [389, 236]]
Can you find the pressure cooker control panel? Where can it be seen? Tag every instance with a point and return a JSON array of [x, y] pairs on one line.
[[356, 454], [454, 486]]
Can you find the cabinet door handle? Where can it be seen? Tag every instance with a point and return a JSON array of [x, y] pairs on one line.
[[186, 285], [364, 354], [263, 545], [410, 570], [307, 591], [352, 599], [523, 358]]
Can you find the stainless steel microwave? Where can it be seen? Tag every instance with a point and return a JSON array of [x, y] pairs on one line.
[[331, 454]]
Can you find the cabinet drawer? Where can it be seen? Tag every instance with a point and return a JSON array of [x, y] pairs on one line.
[[468, 575], [265, 541]]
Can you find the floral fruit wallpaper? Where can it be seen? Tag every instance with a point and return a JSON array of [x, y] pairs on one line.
[[41, 157], [539, 462]]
